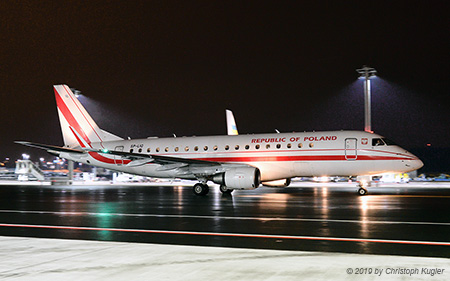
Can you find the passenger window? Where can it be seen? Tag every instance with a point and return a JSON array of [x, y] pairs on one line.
[[236, 147], [140, 150], [278, 145], [289, 145], [186, 148], [157, 149], [311, 145], [247, 146], [196, 148], [148, 149], [131, 150], [227, 147], [215, 147], [166, 149], [257, 146], [205, 148], [267, 146], [300, 145], [176, 149]]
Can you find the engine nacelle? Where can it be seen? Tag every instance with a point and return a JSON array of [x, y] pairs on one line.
[[277, 183], [239, 178]]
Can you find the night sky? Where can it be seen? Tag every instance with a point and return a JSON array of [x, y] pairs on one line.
[[154, 68]]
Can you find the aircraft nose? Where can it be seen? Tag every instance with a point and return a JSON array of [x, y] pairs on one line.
[[414, 164], [417, 164]]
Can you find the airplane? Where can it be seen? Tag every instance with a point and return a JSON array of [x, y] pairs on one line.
[[240, 162]]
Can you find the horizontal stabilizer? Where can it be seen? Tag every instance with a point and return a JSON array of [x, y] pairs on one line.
[[50, 147]]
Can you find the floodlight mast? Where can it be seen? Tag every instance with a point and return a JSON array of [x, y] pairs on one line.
[[366, 73]]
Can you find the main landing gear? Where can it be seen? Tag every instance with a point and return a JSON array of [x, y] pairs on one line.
[[201, 189], [225, 190]]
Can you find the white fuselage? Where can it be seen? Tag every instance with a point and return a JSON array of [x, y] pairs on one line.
[[277, 156]]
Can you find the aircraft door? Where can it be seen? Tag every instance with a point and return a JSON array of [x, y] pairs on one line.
[[118, 159], [351, 149]]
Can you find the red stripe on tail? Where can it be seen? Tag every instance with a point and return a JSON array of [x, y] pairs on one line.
[[69, 117]]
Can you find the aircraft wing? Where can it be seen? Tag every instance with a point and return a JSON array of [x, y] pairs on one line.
[[137, 159], [157, 159]]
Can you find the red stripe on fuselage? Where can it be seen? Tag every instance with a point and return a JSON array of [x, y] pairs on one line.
[[250, 159], [275, 158], [106, 160], [300, 158]]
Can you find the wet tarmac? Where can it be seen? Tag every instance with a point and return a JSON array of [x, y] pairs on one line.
[[393, 219]]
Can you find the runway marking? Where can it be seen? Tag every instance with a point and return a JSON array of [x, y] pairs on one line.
[[225, 218], [415, 196], [245, 235]]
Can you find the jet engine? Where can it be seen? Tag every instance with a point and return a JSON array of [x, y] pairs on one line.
[[239, 178], [277, 183]]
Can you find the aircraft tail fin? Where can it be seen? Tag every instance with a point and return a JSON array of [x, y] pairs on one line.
[[231, 124], [77, 126]]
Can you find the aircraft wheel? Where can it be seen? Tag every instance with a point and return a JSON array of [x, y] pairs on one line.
[[200, 189], [362, 191], [225, 190]]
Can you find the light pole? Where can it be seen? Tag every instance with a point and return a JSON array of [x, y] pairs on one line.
[[367, 73]]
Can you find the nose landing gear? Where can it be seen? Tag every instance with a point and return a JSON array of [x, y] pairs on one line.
[[363, 182], [362, 191]]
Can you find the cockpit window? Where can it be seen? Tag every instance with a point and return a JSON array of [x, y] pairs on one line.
[[382, 141], [377, 142], [388, 141]]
